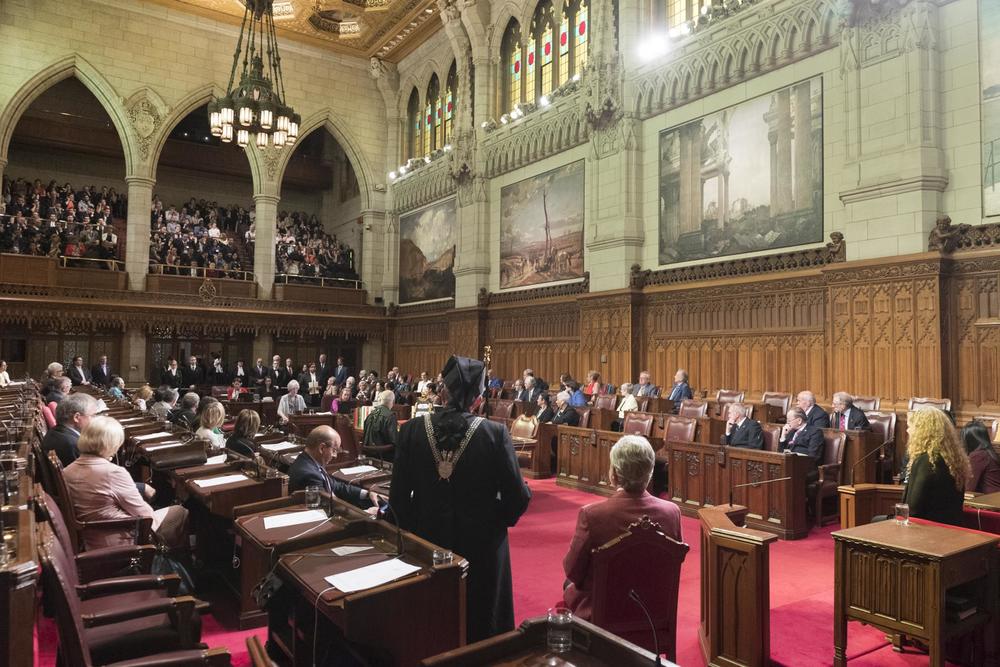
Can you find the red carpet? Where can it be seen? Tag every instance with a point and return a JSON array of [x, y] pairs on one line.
[[801, 592]]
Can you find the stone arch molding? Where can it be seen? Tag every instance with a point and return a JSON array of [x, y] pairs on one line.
[[78, 67], [170, 117]]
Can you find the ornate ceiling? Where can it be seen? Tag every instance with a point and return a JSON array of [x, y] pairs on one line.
[[388, 29]]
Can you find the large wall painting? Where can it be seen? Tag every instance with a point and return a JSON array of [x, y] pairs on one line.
[[541, 228], [989, 41], [747, 178], [427, 253]]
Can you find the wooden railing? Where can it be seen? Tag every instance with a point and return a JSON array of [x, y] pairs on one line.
[[200, 272], [316, 281]]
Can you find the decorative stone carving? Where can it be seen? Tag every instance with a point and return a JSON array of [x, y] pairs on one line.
[[145, 112], [565, 289]]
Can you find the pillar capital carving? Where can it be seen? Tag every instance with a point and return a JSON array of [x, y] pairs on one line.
[[140, 180]]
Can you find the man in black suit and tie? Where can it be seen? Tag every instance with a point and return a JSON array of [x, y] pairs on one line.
[[101, 373], [681, 388], [172, 376], [799, 437], [278, 374], [846, 417], [72, 414], [78, 375], [531, 390], [258, 373], [815, 415], [323, 370], [341, 371], [193, 373], [309, 468], [741, 431]]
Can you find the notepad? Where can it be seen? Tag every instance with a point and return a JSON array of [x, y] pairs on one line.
[[153, 436], [153, 448], [347, 551], [219, 481], [371, 576], [293, 519], [357, 470], [280, 446], [215, 460]]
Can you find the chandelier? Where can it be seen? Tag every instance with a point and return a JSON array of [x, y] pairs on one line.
[[255, 110]]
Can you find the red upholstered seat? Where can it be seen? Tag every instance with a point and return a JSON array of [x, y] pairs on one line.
[[692, 408], [884, 428], [680, 429], [729, 396], [605, 401], [648, 562], [584, 416], [867, 403], [772, 436], [638, 423], [50, 418], [831, 472], [924, 403], [782, 401], [501, 408]]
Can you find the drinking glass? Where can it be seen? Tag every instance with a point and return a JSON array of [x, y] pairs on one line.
[[560, 630], [12, 479], [442, 556], [902, 514], [312, 496]]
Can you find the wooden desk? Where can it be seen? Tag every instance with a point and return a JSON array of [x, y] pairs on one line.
[[583, 459], [303, 424], [259, 547], [18, 584], [702, 475], [710, 430], [592, 647], [987, 501], [398, 623], [735, 625], [860, 502], [895, 578], [220, 500], [765, 413]]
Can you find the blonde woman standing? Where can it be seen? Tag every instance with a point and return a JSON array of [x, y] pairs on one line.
[[937, 470]]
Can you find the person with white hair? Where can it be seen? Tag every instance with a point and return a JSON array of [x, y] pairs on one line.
[[566, 414], [632, 459], [60, 389], [72, 414], [815, 415], [291, 403], [381, 428], [846, 417], [100, 489], [628, 402]]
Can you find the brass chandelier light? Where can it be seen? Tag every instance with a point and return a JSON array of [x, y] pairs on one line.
[[255, 110]]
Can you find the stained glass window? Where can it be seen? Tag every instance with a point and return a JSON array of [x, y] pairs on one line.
[[428, 127], [564, 47], [449, 103], [412, 125], [512, 67], [582, 30], [546, 65], [529, 70], [433, 131]]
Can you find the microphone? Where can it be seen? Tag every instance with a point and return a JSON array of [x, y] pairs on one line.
[[865, 458], [634, 597], [760, 483]]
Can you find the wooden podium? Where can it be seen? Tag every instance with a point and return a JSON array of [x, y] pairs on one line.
[[735, 628], [860, 502]]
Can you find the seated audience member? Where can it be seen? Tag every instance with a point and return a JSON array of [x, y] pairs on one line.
[[577, 398], [531, 390], [741, 431], [593, 385], [72, 415], [341, 404], [566, 414], [937, 469], [815, 415], [493, 383], [116, 388], [210, 424], [846, 417], [628, 402], [432, 396], [78, 373], [4, 375], [799, 437], [681, 388], [309, 468], [60, 389], [632, 461], [330, 394], [241, 439], [142, 399], [984, 459], [187, 414], [422, 383], [53, 372], [267, 390], [166, 400], [235, 389], [381, 428], [645, 386], [291, 403], [100, 489], [545, 413]]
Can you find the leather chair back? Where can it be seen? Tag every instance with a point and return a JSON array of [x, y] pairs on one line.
[[692, 408], [783, 401], [833, 448], [643, 403], [524, 427], [647, 561], [44, 469], [772, 436], [638, 423], [501, 408], [584, 416], [924, 403], [65, 502], [729, 396], [680, 429], [883, 425], [59, 527], [605, 401], [58, 577], [866, 403]]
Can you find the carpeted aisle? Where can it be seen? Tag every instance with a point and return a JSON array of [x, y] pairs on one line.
[[801, 592]]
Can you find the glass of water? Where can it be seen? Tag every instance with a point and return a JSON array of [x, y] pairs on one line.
[[560, 630], [902, 514], [312, 496], [12, 479], [442, 556]]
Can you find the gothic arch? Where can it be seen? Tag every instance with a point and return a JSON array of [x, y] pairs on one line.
[[178, 112], [64, 68]]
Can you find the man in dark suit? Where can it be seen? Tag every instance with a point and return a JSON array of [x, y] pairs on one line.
[[341, 371], [72, 415], [278, 374], [846, 417], [172, 376], [800, 437], [644, 387], [531, 390], [456, 484], [60, 390], [815, 415], [309, 468], [187, 414], [681, 388], [193, 373], [101, 373], [741, 431], [258, 373], [77, 373], [323, 370]]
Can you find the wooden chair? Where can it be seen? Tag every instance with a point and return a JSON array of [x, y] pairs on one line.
[[584, 416], [648, 562], [258, 656], [43, 470], [638, 423], [729, 396], [772, 436], [831, 472], [524, 434], [866, 403], [782, 401], [643, 403], [501, 408], [680, 429], [924, 403], [692, 408], [605, 401], [884, 428]]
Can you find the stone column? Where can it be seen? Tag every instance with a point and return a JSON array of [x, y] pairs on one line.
[[379, 260], [132, 361], [263, 348], [140, 197], [263, 253], [3, 165], [784, 153], [803, 147]]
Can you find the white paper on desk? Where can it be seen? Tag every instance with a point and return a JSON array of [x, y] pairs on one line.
[[153, 436], [323, 414], [280, 446], [357, 470], [371, 576], [219, 481], [213, 460], [168, 445], [293, 519], [347, 551]]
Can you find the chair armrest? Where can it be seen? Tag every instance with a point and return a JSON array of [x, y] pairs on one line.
[[145, 525], [183, 606], [111, 561], [170, 583], [213, 657], [829, 472]]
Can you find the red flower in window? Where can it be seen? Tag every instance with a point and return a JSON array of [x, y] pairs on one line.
[[531, 58], [562, 39], [548, 48], [583, 27], [517, 66]]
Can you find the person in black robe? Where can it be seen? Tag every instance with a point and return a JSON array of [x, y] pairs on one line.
[[464, 499]]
